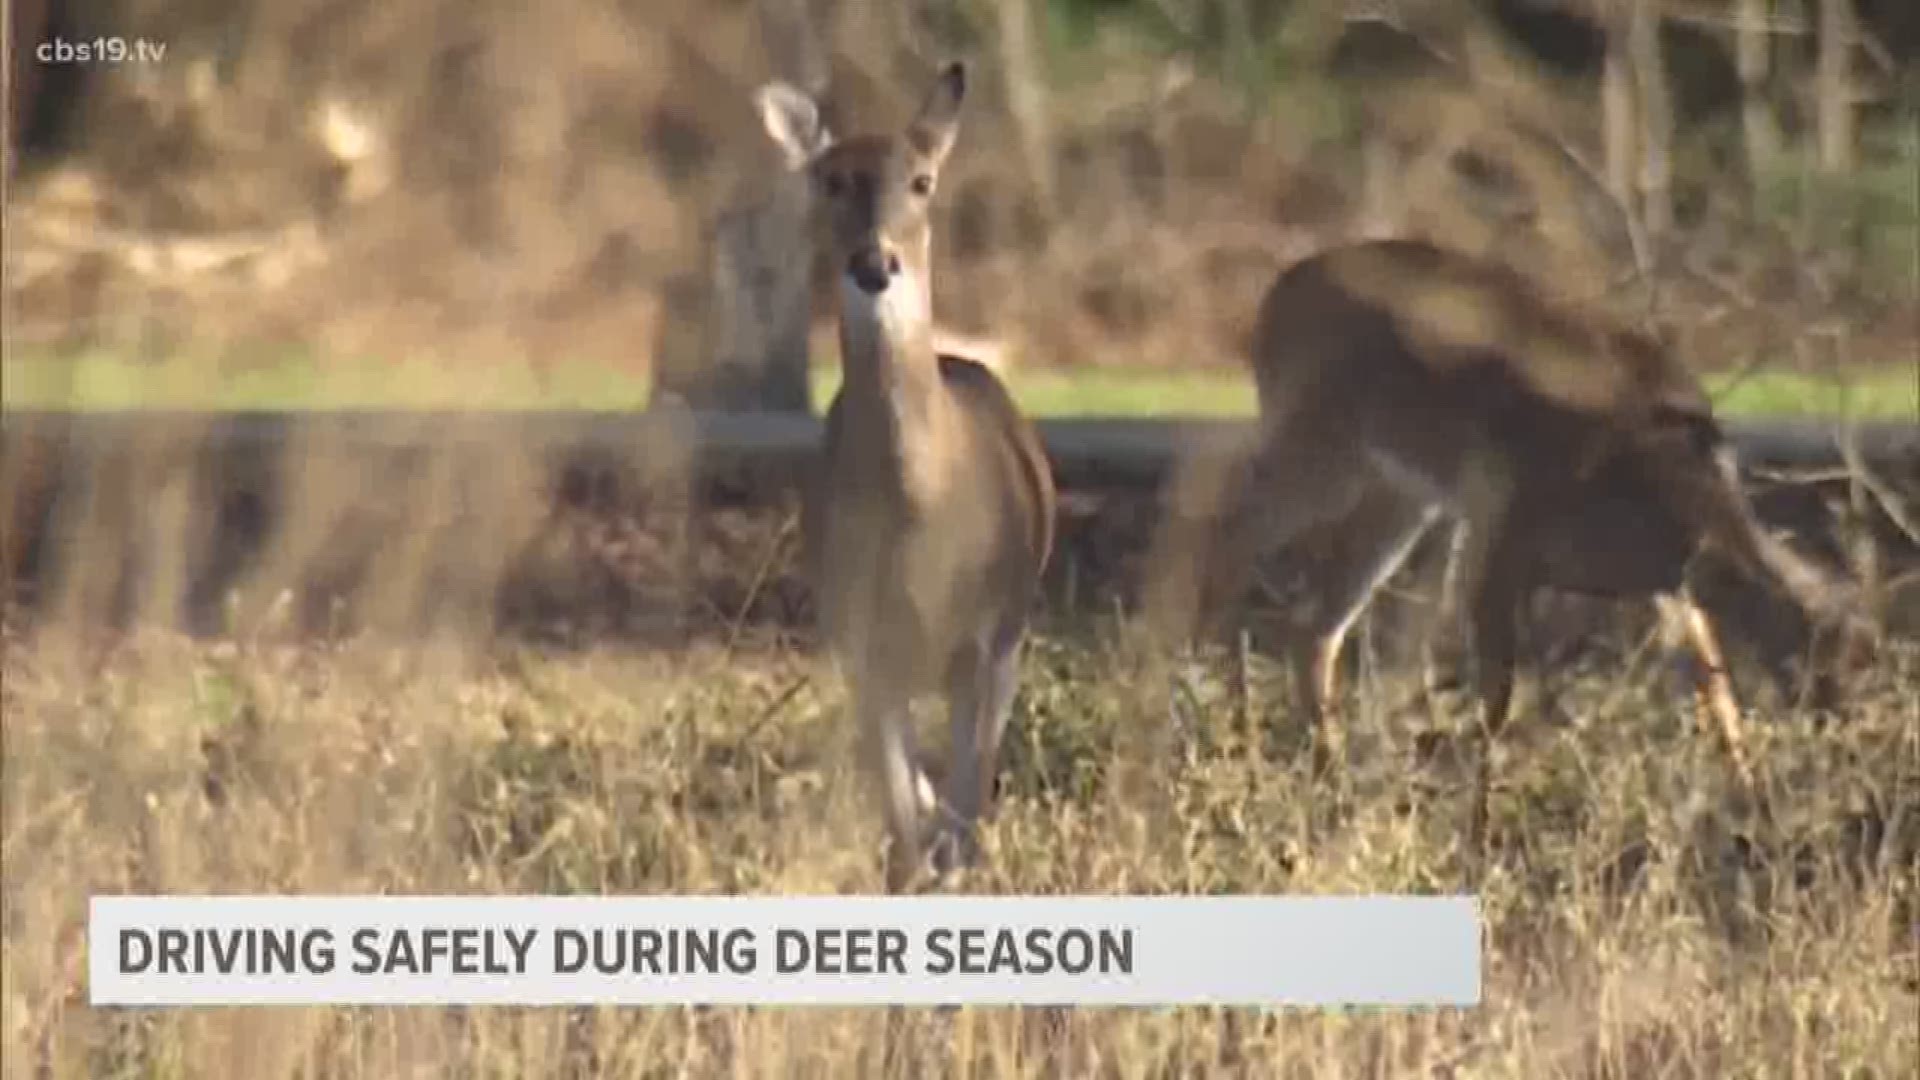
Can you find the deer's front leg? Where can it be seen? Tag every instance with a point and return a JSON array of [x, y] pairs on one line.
[[887, 746]]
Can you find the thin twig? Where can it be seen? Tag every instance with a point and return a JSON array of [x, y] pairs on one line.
[[1802, 476], [773, 707], [1889, 501], [760, 576]]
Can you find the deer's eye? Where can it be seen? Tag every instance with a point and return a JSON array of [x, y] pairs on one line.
[[922, 185]]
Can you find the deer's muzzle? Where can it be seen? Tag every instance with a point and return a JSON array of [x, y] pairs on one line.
[[872, 268]]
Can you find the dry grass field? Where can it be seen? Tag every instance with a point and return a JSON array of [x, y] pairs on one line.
[[1642, 919]]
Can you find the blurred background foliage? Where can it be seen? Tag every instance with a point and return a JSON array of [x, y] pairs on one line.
[[502, 186]]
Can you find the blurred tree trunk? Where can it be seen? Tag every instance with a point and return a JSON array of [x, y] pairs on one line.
[[796, 42], [26, 27], [1619, 109], [1655, 116], [1753, 51], [754, 311], [1833, 86], [1025, 74], [1240, 44]]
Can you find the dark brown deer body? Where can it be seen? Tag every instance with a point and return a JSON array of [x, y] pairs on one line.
[[931, 517], [1400, 384]]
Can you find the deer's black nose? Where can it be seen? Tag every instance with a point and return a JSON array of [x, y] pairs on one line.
[[871, 269]]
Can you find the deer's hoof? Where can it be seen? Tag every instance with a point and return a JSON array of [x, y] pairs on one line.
[[954, 849]]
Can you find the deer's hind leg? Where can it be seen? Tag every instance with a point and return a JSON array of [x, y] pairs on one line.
[[1375, 541], [1003, 684], [1495, 592], [1712, 685], [1492, 566]]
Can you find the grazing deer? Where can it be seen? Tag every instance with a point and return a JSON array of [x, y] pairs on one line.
[[932, 516], [1400, 383]]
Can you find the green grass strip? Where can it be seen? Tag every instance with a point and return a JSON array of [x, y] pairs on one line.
[[101, 382]]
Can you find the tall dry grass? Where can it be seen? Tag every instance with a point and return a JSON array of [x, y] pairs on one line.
[[1641, 918]]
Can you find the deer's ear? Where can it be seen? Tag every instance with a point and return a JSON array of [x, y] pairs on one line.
[[938, 122], [792, 119]]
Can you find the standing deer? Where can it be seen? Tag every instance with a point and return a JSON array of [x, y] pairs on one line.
[[1400, 383], [931, 517]]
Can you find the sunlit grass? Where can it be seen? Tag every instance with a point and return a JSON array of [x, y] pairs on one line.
[[96, 382], [1886, 393], [1640, 921]]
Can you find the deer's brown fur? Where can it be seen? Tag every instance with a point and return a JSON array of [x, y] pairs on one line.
[[1400, 383], [932, 514]]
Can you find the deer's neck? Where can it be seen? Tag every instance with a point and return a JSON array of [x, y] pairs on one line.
[[891, 372]]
